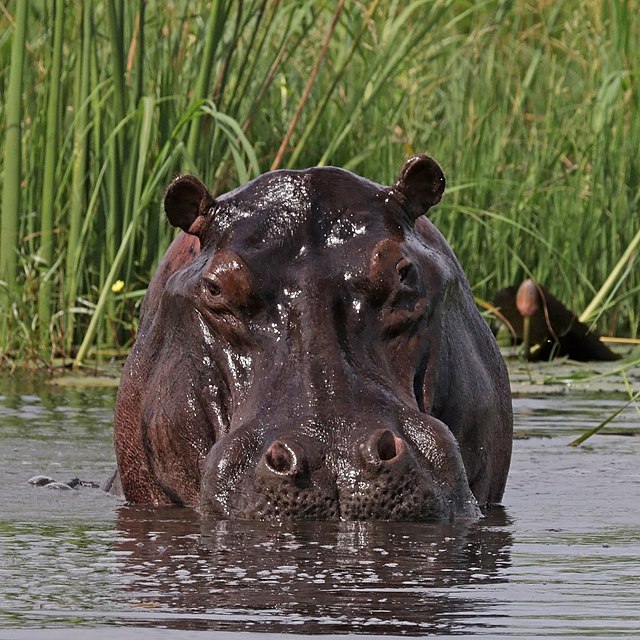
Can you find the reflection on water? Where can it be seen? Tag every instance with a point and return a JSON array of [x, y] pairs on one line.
[[560, 558], [341, 577]]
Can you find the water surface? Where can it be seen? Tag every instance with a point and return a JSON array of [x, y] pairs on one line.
[[560, 560]]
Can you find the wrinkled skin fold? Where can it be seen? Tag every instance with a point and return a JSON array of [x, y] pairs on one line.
[[309, 347]]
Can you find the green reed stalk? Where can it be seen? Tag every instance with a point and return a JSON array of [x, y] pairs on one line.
[[238, 143], [629, 255], [274, 39], [633, 398], [307, 88], [252, 51], [11, 187], [400, 38], [118, 178], [139, 40], [147, 106], [215, 26], [117, 218], [288, 40], [80, 166], [336, 78], [49, 177], [140, 50]]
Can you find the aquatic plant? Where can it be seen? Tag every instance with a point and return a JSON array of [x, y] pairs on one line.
[[529, 107]]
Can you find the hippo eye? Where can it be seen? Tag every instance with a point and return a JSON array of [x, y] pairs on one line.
[[213, 285], [405, 271]]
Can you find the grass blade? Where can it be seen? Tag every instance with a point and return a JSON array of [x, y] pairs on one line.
[[585, 436]]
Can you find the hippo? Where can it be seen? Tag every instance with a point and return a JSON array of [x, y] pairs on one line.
[[309, 348], [545, 327]]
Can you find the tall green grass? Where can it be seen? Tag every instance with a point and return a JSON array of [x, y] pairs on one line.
[[531, 108], [12, 155]]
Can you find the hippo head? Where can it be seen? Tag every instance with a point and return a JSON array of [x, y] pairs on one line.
[[309, 348]]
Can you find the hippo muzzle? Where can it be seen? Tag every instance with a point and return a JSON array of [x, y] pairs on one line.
[[378, 476], [309, 348]]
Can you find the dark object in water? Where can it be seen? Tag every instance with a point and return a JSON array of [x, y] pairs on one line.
[[553, 330], [50, 483], [40, 480], [75, 483]]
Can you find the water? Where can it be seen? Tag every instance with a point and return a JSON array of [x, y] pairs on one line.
[[562, 559]]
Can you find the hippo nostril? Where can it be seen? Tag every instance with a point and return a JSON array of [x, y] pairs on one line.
[[381, 446], [387, 445], [280, 458]]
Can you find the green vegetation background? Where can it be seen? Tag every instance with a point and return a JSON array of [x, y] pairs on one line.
[[532, 108]]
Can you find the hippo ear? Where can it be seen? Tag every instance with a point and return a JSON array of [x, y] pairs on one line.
[[186, 202], [420, 185]]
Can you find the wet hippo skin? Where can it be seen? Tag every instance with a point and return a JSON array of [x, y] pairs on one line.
[[309, 347]]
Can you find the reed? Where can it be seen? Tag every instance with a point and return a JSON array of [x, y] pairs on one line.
[[11, 168], [47, 245], [80, 167], [530, 107]]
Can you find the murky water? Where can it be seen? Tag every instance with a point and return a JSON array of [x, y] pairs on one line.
[[562, 559]]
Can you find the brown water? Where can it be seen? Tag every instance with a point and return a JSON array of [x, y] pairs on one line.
[[562, 559]]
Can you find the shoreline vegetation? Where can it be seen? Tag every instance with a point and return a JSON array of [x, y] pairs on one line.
[[531, 109]]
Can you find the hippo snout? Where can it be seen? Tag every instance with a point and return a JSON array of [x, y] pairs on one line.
[[380, 476]]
